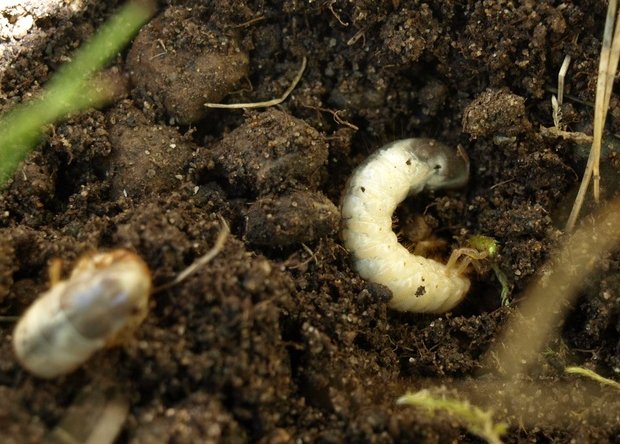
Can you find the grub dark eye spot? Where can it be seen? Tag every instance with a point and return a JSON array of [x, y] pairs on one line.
[[363, 189], [408, 162]]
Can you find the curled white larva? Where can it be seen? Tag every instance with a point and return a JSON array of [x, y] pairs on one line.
[[103, 301], [372, 194]]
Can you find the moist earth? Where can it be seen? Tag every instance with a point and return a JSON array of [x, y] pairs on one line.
[[277, 339]]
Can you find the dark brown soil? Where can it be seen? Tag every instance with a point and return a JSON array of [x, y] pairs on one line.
[[278, 340]]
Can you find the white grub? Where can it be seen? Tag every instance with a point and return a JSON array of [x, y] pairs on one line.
[[375, 189], [101, 303]]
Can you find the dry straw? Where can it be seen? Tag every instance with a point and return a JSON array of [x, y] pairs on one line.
[[608, 64], [548, 299]]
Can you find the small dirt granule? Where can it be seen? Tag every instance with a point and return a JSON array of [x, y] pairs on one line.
[[271, 152], [291, 219], [495, 113], [146, 158], [183, 63]]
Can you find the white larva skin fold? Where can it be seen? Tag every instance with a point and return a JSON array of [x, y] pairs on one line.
[[374, 191], [104, 299]]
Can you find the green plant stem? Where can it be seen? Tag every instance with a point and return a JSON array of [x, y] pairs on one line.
[[70, 90], [476, 420], [592, 375]]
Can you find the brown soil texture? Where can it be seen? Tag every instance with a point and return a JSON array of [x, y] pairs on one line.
[[277, 339]]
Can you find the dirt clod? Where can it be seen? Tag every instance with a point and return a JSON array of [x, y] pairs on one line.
[[495, 113], [146, 158], [291, 219], [184, 64], [271, 152]]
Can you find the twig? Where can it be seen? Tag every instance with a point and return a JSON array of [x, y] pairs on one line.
[[267, 103], [358, 35], [499, 184], [335, 114], [163, 46], [575, 136], [249, 22], [331, 8]]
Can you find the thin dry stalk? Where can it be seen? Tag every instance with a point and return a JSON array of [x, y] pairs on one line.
[[608, 65], [556, 102], [96, 416], [202, 260], [548, 299], [561, 77], [266, 103], [610, 73]]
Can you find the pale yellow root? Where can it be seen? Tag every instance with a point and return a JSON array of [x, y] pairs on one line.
[[201, 261], [266, 103]]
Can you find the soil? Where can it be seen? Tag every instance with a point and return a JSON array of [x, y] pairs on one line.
[[278, 340]]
